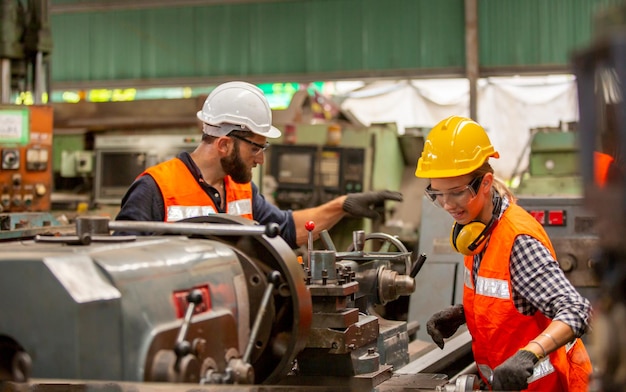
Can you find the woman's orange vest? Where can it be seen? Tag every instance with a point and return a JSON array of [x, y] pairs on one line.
[[498, 329], [184, 197]]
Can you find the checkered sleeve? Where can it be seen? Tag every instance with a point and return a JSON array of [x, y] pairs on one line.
[[538, 283]]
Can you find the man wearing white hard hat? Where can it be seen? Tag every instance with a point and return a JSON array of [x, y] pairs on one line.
[[217, 176]]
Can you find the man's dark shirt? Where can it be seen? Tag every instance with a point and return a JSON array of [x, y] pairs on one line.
[[144, 202]]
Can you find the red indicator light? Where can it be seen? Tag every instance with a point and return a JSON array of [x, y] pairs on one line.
[[556, 218], [181, 303], [540, 215]]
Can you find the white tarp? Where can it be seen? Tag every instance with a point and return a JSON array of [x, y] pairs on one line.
[[507, 107]]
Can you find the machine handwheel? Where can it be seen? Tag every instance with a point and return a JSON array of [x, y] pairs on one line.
[[384, 242], [292, 304]]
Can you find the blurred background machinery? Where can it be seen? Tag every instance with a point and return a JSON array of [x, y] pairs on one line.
[[601, 72], [25, 48], [26, 132]]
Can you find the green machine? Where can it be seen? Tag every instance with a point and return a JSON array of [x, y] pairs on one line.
[[553, 168]]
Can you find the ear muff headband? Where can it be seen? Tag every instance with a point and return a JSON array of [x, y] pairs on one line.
[[470, 239]]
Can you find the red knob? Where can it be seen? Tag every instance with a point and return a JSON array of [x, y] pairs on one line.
[[310, 225]]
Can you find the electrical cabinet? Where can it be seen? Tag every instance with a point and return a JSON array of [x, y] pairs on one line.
[[26, 154]]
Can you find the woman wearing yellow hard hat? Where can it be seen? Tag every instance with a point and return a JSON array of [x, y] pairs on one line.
[[524, 315]]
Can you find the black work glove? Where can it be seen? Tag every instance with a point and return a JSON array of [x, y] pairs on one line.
[[513, 374], [361, 204], [444, 324]]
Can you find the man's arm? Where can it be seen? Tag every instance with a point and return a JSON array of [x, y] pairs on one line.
[[264, 212], [325, 216]]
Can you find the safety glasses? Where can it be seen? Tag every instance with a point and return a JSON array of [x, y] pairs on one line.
[[256, 147], [457, 196]]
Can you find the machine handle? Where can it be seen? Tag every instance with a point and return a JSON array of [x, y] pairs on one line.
[[83, 239], [182, 346], [273, 280], [417, 266], [327, 241]]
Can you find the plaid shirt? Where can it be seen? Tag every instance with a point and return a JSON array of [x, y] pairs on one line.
[[539, 284]]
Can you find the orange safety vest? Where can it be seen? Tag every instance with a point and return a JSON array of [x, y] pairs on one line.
[[602, 162], [498, 329], [185, 198]]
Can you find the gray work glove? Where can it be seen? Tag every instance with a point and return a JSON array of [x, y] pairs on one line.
[[444, 324], [513, 374], [361, 204]]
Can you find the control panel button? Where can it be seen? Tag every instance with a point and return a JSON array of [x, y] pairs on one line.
[[10, 159]]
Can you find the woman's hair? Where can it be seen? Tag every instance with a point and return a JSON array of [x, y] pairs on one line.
[[500, 186]]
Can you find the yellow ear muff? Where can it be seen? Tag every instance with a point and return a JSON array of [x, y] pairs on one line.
[[464, 237], [470, 239]]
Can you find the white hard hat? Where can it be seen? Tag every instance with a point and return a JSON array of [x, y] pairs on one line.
[[239, 103]]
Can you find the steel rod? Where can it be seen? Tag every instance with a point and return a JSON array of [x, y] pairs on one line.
[[193, 228]]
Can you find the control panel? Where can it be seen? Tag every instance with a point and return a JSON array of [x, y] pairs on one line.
[[572, 231], [308, 175], [25, 153], [341, 171]]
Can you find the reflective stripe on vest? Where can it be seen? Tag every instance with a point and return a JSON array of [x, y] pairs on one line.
[[489, 287], [240, 207], [237, 207], [176, 213], [467, 279]]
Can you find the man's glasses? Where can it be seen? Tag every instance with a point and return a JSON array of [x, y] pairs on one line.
[[256, 147], [460, 195]]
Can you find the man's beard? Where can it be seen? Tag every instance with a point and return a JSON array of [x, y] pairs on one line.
[[234, 166]]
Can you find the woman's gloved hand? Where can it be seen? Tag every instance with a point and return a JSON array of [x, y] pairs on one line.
[[362, 204], [513, 374], [444, 324]]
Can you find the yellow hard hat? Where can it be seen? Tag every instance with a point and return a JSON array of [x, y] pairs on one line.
[[454, 147]]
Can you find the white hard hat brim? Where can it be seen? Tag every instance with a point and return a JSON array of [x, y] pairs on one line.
[[273, 133], [226, 128]]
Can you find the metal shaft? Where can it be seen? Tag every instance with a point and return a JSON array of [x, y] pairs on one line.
[[193, 228]]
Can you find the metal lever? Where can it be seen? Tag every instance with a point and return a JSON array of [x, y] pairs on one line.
[[417, 266], [182, 347], [309, 226], [273, 280], [327, 241]]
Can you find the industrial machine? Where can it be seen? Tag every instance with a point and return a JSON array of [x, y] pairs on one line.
[[121, 156], [211, 300], [553, 167]]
